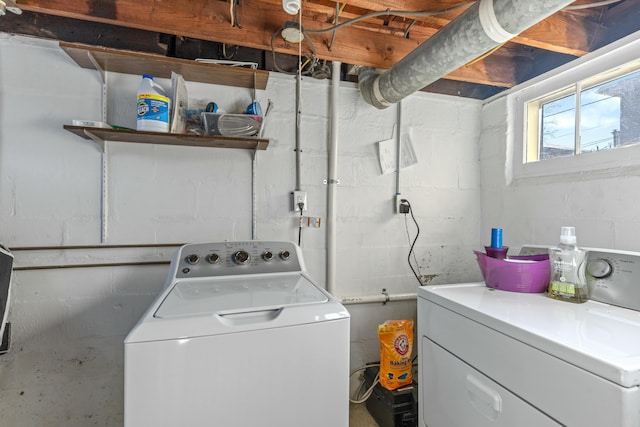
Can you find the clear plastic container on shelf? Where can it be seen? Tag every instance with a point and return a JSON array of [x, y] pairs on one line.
[[234, 125]]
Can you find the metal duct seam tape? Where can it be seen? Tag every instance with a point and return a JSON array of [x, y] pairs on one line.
[[377, 94], [490, 24]]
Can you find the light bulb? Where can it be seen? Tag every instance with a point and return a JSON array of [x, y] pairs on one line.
[[11, 6], [292, 7]]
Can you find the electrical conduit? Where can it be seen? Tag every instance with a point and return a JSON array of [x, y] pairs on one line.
[[482, 27], [332, 180]]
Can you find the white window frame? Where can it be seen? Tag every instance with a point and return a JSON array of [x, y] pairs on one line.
[[609, 58]]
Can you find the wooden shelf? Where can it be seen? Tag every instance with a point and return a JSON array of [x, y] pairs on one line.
[[125, 135], [129, 62]]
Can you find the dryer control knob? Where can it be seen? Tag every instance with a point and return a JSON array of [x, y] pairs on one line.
[[213, 258], [267, 256], [285, 255], [599, 268], [193, 259], [241, 257]]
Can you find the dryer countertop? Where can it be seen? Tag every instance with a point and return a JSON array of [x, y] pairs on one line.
[[600, 338]]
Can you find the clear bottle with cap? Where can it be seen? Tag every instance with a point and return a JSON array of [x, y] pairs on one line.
[[568, 269]]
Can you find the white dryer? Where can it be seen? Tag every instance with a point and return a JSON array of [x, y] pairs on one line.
[[506, 359], [240, 336]]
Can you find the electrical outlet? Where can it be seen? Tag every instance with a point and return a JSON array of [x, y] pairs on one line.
[[299, 197], [402, 207]]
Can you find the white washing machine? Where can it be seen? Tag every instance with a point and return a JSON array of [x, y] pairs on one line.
[[499, 358], [240, 336]]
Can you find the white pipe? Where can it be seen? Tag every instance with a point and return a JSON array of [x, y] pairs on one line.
[[398, 145], [332, 180], [380, 298]]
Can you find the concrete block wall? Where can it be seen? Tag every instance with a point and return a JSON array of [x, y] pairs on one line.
[[66, 362]]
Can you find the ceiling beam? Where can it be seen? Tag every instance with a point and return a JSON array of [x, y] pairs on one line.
[[210, 20], [93, 33], [560, 32], [563, 32]]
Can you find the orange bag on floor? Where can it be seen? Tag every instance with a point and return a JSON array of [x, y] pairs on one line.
[[396, 342]]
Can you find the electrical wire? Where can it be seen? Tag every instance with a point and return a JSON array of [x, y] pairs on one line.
[[415, 258], [484, 55], [406, 31], [300, 205], [273, 51], [227, 56], [339, 10], [590, 5], [414, 240], [233, 11], [388, 12]]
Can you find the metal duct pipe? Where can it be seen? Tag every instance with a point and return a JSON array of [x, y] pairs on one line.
[[482, 27]]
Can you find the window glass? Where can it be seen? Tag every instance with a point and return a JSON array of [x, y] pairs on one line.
[[607, 116], [599, 117], [558, 127]]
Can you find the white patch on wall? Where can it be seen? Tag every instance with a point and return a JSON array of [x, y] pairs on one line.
[[387, 153]]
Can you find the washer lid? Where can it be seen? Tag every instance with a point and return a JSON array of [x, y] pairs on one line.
[[597, 337], [241, 294]]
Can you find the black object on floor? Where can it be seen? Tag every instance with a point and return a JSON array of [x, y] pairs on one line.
[[392, 408], [6, 338]]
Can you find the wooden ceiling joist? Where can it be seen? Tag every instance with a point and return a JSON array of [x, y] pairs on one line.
[[378, 42], [209, 20]]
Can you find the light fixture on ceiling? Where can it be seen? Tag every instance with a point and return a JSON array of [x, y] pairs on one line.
[[292, 32], [9, 5], [292, 7]]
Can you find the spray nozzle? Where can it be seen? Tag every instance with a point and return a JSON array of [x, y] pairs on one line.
[[568, 235]]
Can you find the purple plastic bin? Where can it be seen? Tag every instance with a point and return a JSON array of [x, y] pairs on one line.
[[516, 274]]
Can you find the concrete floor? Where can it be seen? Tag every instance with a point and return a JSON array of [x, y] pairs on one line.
[[359, 416]]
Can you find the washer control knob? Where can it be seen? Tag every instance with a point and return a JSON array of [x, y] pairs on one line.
[[285, 255], [241, 257], [193, 259], [599, 268], [213, 258], [267, 256]]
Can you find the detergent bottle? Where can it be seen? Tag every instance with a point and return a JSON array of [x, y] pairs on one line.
[[568, 269], [152, 106]]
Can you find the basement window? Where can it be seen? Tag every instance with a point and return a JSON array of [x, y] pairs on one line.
[[596, 114]]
